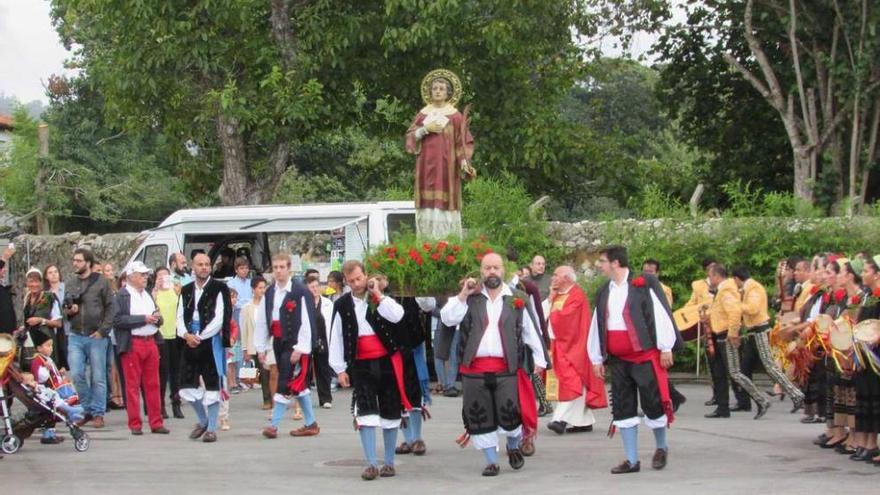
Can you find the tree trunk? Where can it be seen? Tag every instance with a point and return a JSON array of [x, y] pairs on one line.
[[236, 187], [803, 186]]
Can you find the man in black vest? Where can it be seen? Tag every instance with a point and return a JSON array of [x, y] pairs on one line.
[[633, 333], [203, 316], [498, 394], [365, 353], [290, 318]]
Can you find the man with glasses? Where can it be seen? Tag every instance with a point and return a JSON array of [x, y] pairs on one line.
[[88, 304]]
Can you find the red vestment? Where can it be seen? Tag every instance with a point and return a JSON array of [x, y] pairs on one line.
[[571, 327], [438, 167]]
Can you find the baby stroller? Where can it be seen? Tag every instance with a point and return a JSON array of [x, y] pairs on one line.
[[40, 412]]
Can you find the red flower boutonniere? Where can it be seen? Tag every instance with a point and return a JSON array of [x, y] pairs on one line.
[[290, 306], [839, 295], [814, 290], [855, 300], [876, 292], [826, 298], [639, 282], [518, 303], [873, 298]]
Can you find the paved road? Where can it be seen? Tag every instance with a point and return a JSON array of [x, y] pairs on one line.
[[739, 455]]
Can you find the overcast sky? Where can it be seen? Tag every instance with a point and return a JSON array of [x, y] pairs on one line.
[[30, 50]]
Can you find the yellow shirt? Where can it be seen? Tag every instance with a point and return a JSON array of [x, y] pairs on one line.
[[754, 304], [667, 292], [806, 289], [166, 301], [725, 312], [700, 294]]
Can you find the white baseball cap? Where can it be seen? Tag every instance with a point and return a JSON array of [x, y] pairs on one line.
[[138, 267]]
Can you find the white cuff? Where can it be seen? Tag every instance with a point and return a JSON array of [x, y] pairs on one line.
[[627, 423], [660, 422]]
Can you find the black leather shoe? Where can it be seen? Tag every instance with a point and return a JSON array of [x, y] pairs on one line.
[[515, 458], [625, 467], [834, 445], [677, 401], [557, 427], [176, 412], [579, 429], [717, 414], [858, 455], [842, 449], [871, 454], [491, 470], [741, 408], [711, 402], [659, 460], [821, 439], [762, 410]]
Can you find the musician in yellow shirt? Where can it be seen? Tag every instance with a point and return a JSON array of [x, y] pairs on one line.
[[725, 318], [701, 296], [756, 321]]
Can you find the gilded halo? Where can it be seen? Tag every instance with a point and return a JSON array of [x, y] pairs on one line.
[[449, 76]]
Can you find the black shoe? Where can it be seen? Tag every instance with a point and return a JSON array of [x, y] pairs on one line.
[[451, 392], [137, 432], [52, 440], [762, 410], [711, 402], [842, 449], [579, 429], [659, 460], [677, 400], [164, 413], [870, 455], [741, 408], [625, 467], [821, 439], [717, 414], [834, 445], [515, 458], [858, 455], [175, 410], [557, 427], [491, 470]]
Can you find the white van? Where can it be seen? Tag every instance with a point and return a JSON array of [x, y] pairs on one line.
[[246, 229]]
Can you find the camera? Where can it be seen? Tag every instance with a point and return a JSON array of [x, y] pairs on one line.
[[71, 299]]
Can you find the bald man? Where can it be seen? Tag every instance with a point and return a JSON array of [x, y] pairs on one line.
[[498, 395], [203, 316], [580, 390]]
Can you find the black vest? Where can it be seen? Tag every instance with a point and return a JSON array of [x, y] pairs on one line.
[[641, 313], [291, 320], [206, 305], [384, 329], [473, 327]]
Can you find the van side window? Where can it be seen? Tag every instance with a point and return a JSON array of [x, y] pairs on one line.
[[155, 255]]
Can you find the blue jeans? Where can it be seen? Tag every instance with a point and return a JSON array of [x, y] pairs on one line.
[[446, 375], [87, 353]]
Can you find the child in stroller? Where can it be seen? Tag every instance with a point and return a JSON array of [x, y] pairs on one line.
[[45, 405], [50, 386]]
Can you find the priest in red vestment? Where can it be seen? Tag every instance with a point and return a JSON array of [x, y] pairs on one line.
[[580, 390]]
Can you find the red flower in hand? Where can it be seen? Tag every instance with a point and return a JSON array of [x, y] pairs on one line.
[[375, 299], [839, 295], [290, 306], [826, 298], [876, 292], [855, 300], [518, 303], [639, 282], [450, 259]]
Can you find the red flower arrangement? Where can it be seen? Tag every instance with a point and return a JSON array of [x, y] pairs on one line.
[[290, 306], [639, 282], [450, 260]]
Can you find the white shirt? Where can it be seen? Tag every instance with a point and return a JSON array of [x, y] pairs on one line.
[[816, 309], [490, 345], [388, 309], [142, 304], [662, 321], [212, 328], [261, 328]]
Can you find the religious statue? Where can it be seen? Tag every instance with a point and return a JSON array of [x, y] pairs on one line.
[[440, 138]]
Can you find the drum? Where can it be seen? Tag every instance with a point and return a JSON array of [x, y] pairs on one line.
[[823, 324], [686, 319], [789, 318], [867, 332], [841, 339]]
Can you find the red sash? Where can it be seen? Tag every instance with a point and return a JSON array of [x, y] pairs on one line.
[[276, 329], [370, 347], [620, 346]]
